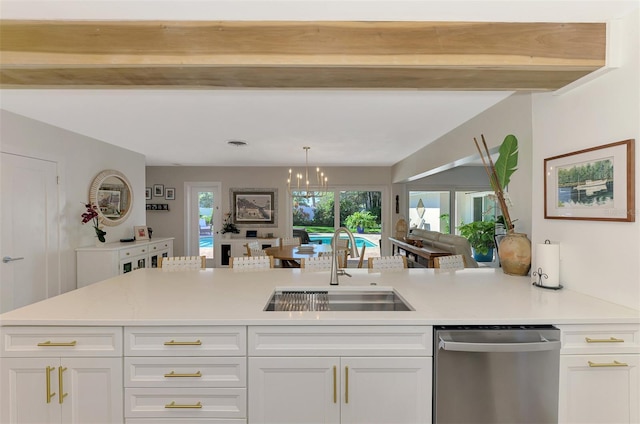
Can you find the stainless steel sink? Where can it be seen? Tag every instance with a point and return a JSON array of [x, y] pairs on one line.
[[336, 300]]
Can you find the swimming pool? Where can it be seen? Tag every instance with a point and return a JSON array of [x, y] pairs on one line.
[[359, 240], [206, 241]]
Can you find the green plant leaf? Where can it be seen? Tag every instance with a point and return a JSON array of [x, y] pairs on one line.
[[507, 162]]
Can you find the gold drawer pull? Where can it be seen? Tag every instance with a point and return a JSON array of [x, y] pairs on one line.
[[174, 406], [50, 394], [62, 394], [49, 343], [335, 388], [174, 374], [174, 343], [609, 340], [608, 364]]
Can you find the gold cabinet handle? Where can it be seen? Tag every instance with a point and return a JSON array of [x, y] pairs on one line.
[[174, 343], [50, 394], [607, 364], [62, 394], [173, 405], [346, 384], [49, 343], [335, 387], [175, 374], [609, 340]]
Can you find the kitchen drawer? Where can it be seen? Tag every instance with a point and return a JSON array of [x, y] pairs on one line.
[[186, 341], [185, 403], [196, 371], [600, 338], [61, 341], [340, 341], [134, 251]]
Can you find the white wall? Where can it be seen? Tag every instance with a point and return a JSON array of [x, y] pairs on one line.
[[171, 224], [597, 258], [510, 116], [79, 160]]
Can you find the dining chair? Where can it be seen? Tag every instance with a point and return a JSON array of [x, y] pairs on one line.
[[388, 262], [343, 254], [251, 262], [342, 258], [256, 252], [290, 241], [452, 262], [182, 263], [361, 260], [316, 263], [252, 245]]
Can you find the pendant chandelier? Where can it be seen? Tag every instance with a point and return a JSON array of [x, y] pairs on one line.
[[300, 183]]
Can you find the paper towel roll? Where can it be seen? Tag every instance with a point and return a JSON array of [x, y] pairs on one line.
[[548, 261]]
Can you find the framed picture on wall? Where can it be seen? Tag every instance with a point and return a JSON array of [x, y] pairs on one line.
[[170, 193], [147, 193], [594, 184], [254, 207], [158, 190]]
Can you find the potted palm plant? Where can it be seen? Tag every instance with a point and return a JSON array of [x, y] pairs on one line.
[[481, 238], [514, 250]]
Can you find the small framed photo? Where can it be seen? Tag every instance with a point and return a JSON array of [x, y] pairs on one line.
[[158, 190], [147, 193], [170, 193], [141, 232]]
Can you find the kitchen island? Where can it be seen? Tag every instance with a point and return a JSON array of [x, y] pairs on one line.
[[197, 344]]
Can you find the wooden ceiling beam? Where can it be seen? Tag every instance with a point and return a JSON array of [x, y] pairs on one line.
[[286, 54]]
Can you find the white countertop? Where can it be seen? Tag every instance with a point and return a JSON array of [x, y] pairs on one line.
[[224, 296]]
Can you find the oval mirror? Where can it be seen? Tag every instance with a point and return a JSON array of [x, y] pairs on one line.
[[111, 192]]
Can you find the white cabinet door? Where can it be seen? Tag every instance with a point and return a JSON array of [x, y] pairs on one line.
[[294, 390], [94, 390], [67, 390], [599, 389], [27, 394], [340, 390], [386, 390]]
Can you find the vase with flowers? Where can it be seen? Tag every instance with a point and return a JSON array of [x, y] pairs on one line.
[[92, 215], [229, 227], [514, 250]]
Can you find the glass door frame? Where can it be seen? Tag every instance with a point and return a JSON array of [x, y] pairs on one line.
[[192, 215]]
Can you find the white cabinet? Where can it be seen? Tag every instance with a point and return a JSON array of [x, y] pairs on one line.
[[599, 380], [101, 262], [61, 375], [358, 381], [186, 374], [236, 247], [340, 390]]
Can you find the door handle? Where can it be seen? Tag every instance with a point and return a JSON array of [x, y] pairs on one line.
[[6, 259]]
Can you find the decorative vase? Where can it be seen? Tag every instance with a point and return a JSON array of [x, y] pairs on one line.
[[515, 253], [98, 242]]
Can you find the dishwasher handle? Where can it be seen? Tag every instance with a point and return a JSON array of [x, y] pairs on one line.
[[447, 343]]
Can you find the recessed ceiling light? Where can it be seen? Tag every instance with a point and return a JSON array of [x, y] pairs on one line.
[[237, 143]]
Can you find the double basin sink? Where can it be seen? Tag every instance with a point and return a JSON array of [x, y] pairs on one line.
[[379, 299]]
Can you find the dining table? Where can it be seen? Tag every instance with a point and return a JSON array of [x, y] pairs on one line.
[[290, 255]]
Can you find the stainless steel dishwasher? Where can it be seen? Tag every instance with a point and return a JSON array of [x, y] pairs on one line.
[[496, 374]]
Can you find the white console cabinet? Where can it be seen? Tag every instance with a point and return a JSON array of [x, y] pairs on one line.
[[236, 247], [101, 262]]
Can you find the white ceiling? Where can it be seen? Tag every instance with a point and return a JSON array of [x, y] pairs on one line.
[[343, 127]]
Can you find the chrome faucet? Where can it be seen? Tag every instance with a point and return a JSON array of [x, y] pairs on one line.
[[334, 256]]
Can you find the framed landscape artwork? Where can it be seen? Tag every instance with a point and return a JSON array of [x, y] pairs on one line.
[[255, 207], [591, 184]]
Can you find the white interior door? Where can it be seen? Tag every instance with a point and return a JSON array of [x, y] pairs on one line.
[[30, 250]]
